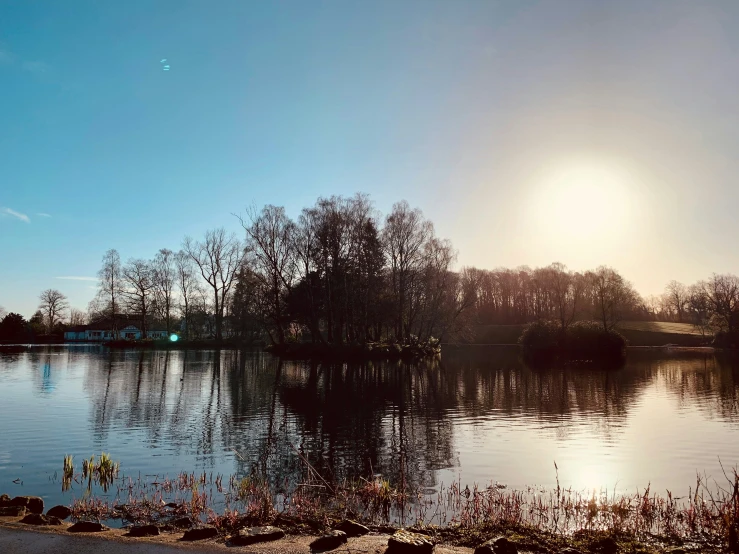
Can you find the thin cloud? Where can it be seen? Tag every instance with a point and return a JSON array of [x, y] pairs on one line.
[[77, 278], [43, 214], [22, 217]]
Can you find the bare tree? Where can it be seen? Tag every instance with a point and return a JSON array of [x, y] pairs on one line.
[[677, 298], [405, 233], [305, 245], [138, 290], [613, 296], [77, 317], [721, 293], [442, 295], [3, 312], [270, 242], [52, 304], [218, 258], [110, 287], [187, 286], [654, 306], [699, 308], [566, 290], [164, 274]]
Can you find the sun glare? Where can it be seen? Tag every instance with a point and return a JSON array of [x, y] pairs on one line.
[[582, 205]]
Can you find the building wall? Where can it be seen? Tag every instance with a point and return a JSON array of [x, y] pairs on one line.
[[93, 335]]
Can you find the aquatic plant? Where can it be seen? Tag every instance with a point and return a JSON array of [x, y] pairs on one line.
[[88, 466], [68, 466], [67, 473], [103, 471], [107, 468]]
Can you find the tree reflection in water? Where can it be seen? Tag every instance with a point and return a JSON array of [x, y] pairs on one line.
[[350, 420]]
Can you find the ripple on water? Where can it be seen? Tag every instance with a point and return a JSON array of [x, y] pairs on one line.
[[657, 420]]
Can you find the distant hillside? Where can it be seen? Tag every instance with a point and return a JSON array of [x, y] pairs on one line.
[[660, 327], [637, 333], [658, 333]]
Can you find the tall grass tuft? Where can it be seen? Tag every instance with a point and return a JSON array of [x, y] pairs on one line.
[[68, 467]]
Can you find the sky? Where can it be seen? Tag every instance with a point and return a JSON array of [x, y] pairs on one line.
[[585, 132]]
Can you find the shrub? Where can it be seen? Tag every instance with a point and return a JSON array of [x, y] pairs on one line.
[[724, 339], [584, 340]]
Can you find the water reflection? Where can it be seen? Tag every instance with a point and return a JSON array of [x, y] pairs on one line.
[[480, 408]]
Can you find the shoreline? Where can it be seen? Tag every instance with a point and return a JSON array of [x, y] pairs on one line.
[[16, 537], [203, 345], [533, 520]]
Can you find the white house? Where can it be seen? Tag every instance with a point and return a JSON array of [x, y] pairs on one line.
[[76, 333], [102, 331]]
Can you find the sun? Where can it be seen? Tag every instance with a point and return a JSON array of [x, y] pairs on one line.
[[582, 204]]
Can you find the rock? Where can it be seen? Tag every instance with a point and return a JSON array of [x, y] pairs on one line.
[[33, 504], [183, 522], [405, 542], [87, 527], [172, 505], [143, 531], [200, 533], [498, 545], [62, 512], [569, 550], [12, 511], [40, 519], [254, 535], [675, 550], [352, 528], [329, 541], [4, 500], [605, 545]]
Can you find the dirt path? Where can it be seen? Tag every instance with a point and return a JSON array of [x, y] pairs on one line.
[[18, 538]]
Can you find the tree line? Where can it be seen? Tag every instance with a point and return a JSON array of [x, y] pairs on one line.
[[524, 295], [341, 273], [338, 274]]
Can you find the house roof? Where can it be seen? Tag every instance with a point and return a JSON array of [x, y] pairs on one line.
[[129, 323], [102, 325]]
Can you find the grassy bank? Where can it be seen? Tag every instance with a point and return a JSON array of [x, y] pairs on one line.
[[536, 520], [636, 333]]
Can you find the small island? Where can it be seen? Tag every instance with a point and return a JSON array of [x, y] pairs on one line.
[[583, 341]]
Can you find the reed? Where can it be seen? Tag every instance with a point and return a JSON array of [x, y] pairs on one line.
[[707, 515]]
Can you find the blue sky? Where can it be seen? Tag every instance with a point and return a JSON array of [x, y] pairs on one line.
[[489, 116]]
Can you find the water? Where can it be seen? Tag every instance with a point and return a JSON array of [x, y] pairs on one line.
[[479, 416]]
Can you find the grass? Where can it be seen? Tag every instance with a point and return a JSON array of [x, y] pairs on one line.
[[637, 333], [660, 327]]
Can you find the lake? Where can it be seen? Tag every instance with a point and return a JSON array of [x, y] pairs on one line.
[[477, 416]]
